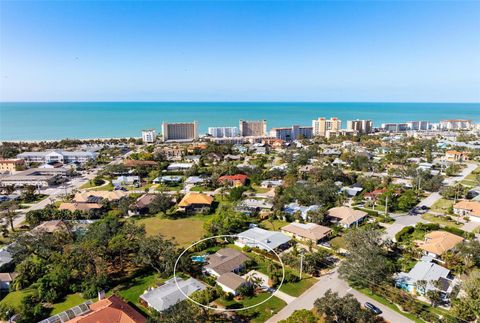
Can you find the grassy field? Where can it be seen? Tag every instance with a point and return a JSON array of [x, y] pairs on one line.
[[441, 206], [14, 299], [259, 189], [185, 231], [297, 289], [277, 224], [440, 220], [338, 242], [259, 313], [69, 302]]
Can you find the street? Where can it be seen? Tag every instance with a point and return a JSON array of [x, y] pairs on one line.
[[333, 282]]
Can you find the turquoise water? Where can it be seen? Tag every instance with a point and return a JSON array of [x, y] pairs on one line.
[[37, 121], [199, 258]]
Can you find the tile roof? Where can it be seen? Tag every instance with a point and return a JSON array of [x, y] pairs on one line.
[[230, 280], [346, 215], [225, 260], [438, 242], [311, 231], [196, 198], [472, 206]]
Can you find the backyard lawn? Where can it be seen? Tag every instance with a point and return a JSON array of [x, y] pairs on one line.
[[442, 220], [297, 289], [259, 313], [14, 299], [185, 231], [442, 206], [338, 243], [69, 302], [274, 225]]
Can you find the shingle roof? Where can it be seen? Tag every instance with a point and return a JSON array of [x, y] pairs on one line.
[[260, 238], [225, 260], [346, 215], [230, 280]]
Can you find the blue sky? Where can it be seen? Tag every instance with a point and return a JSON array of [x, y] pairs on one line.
[[240, 51]]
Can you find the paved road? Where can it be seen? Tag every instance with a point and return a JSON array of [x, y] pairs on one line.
[[402, 221], [333, 282]]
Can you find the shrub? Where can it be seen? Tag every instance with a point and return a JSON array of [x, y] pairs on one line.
[[404, 233]]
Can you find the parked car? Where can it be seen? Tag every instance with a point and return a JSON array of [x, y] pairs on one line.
[[373, 308]]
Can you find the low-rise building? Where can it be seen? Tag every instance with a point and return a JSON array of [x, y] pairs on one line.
[[224, 261], [437, 243], [253, 206], [468, 208], [294, 208], [168, 179], [10, 165], [230, 282], [306, 231], [235, 180], [195, 202], [170, 293], [435, 277], [175, 167], [39, 177], [84, 207], [346, 216], [263, 239], [456, 156], [61, 156], [149, 136]]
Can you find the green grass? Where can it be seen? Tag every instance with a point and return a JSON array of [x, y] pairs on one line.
[[185, 231], [199, 189], [298, 288], [259, 189], [442, 220], [441, 206], [69, 302], [14, 299], [162, 188], [89, 184], [338, 243], [385, 302], [259, 313], [108, 187], [277, 224]]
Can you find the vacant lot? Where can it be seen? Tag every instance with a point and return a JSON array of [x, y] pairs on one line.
[[185, 231]]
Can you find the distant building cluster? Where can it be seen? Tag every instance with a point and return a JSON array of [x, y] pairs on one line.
[[256, 130]]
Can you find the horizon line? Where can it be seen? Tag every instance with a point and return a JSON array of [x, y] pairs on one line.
[[229, 101]]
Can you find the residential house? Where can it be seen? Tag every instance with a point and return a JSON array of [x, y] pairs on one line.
[[10, 165], [468, 208], [142, 203], [271, 183], [108, 310], [126, 180], [168, 180], [234, 180], [438, 242], [230, 282], [253, 206], [306, 232], [346, 216], [170, 293], [97, 196], [374, 195], [224, 261], [456, 156], [84, 207], [175, 167], [195, 202], [351, 190], [294, 208], [263, 239], [435, 276], [6, 279], [194, 180], [51, 226], [5, 258]]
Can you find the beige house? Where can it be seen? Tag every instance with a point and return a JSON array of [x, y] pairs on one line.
[[306, 231], [10, 165], [468, 208], [438, 242], [96, 196], [346, 216], [456, 156]]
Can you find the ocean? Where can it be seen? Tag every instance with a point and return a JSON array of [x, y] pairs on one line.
[[57, 120]]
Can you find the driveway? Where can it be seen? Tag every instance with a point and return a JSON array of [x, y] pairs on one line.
[[333, 282]]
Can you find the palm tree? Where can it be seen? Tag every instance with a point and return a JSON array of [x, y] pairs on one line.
[[9, 212]]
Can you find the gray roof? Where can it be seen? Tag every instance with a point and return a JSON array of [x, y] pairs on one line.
[[258, 238], [167, 295], [5, 256], [424, 270]]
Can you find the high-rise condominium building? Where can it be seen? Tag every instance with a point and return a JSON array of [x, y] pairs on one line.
[[321, 126], [456, 124], [418, 125], [253, 128], [149, 135], [293, 133], [181, 131], [223, 132], [361, 126], [394, 127]]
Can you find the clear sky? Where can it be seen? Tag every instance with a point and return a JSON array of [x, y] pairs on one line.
[[240, 51]]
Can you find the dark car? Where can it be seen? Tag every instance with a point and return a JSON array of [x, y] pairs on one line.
[[373, 308]]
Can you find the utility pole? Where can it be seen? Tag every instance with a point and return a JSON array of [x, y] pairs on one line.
[[301, 263], [386, 205]]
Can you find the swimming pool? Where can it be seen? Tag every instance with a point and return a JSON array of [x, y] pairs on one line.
[[199, 258]]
